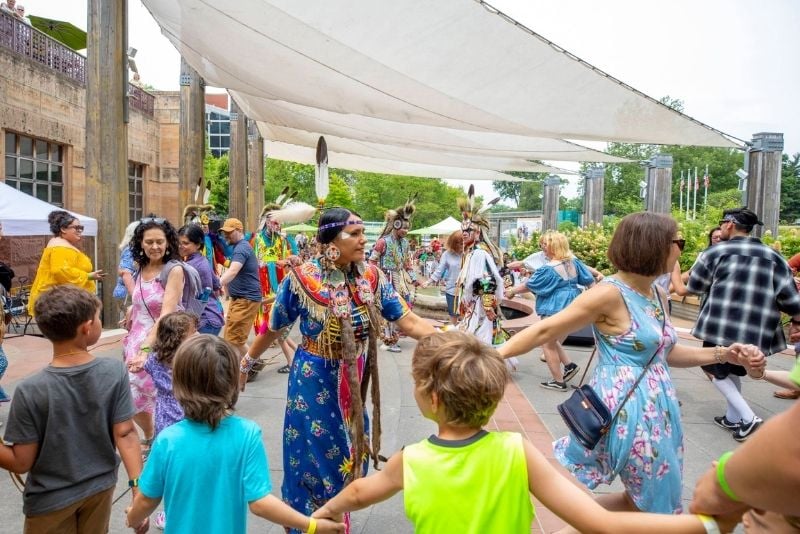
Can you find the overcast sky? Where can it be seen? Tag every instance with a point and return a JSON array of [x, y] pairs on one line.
[[734, 63]]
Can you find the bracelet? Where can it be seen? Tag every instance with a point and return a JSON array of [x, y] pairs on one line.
[[709, 523], [762, 377], [312, 525], [721, 476], [145, 349], [246, 364], [718, 354], [133, 483]]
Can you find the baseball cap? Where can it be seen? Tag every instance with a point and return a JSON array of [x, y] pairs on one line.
[[232, 224]]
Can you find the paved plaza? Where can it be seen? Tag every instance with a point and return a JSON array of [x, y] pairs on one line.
[[526, 408]]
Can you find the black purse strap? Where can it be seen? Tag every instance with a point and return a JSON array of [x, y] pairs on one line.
[[653, 357]]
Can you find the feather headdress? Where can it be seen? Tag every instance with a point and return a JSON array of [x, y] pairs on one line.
[[198, 213], [400, 217], [472, 213], [292, 213], [471, 209], [321, 181]]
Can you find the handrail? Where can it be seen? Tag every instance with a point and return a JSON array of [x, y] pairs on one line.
[[27, 41]]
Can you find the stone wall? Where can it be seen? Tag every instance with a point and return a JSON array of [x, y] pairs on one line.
[[40, 102]]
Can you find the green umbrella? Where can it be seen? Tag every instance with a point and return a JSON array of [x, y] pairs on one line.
[[65, 32], [297, 228]]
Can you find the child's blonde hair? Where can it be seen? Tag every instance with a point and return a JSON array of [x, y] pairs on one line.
[[468, 377]]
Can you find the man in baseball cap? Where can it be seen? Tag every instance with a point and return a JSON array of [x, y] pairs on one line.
[[232, 224]]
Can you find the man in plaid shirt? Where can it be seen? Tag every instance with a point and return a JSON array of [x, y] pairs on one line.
[[746, 285]]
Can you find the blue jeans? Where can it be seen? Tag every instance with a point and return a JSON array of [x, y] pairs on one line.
[[213, 330], [451, 305]]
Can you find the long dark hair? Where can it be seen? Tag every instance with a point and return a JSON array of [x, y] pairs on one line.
[[194, 233], [711, 233], [332, 216], [148, 223]]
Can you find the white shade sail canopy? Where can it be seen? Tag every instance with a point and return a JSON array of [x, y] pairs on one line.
[[399, 153], [25, 215], [303, 154], [455, 64], [273, 114]]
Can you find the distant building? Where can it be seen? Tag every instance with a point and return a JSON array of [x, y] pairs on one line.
[[218, 123]]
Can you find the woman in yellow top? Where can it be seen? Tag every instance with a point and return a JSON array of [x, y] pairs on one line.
[[62, 262]]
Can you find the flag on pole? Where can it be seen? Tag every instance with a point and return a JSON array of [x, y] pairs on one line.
[[696, 183], [706, 180], [681, 182]]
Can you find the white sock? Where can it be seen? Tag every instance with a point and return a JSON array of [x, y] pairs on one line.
[[738, 409]]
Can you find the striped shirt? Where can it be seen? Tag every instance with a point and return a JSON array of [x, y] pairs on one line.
[[747, 285]]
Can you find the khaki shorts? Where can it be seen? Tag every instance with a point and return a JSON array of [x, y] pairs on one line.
[[91, 514], [239, 322]]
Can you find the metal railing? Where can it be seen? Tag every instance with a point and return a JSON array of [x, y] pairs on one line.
[[29, 42]]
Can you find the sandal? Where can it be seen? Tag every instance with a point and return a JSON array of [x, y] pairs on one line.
[[284, 370]]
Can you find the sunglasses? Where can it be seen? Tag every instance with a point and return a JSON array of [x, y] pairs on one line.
[[77, 227], [157, 220], [681, 243]]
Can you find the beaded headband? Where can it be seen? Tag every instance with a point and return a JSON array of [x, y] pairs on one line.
[[340, 224]]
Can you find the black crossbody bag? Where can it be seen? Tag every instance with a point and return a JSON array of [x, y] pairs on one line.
[[585, 414]]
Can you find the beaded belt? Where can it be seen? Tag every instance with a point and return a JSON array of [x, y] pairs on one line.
[[314, 347]]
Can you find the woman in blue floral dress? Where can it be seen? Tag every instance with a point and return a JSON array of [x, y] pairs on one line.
[[338, 301], [645, 445]]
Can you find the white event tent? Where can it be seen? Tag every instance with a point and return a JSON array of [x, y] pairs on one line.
[[25, 215], [407, 82]]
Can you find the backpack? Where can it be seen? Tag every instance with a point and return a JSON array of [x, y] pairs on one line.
[[192, 300]]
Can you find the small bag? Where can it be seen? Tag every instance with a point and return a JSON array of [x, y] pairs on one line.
[[586, 416]]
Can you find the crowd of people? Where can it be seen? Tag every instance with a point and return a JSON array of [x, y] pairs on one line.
[[169, 410]]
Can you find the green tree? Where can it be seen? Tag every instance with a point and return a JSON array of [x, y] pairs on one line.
[[376, 193], [790, 188], [527, 196], [216, 175]]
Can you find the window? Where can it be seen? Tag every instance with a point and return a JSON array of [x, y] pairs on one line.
[[135, 191], [36, 167], [218, 129]]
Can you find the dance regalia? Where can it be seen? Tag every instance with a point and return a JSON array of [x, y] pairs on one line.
[[393, 256], [480, 286], [317, 443], [269, 248]]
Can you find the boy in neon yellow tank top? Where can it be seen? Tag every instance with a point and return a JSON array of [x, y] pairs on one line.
[[467, 480]]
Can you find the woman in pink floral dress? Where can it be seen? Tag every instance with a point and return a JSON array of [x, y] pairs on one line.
[[645, 445], [154, 243]]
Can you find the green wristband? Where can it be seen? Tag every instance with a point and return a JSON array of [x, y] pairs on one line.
[[721, 476]]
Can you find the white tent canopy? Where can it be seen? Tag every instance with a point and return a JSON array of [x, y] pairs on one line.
[[447, 226], [24, 215], [451, 63], [303, 154]]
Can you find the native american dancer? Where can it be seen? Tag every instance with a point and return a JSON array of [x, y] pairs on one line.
[[393, 255], [479, 288], [339, 302]]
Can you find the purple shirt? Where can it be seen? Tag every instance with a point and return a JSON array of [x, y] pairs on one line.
[[212, 314], [168, 410]]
